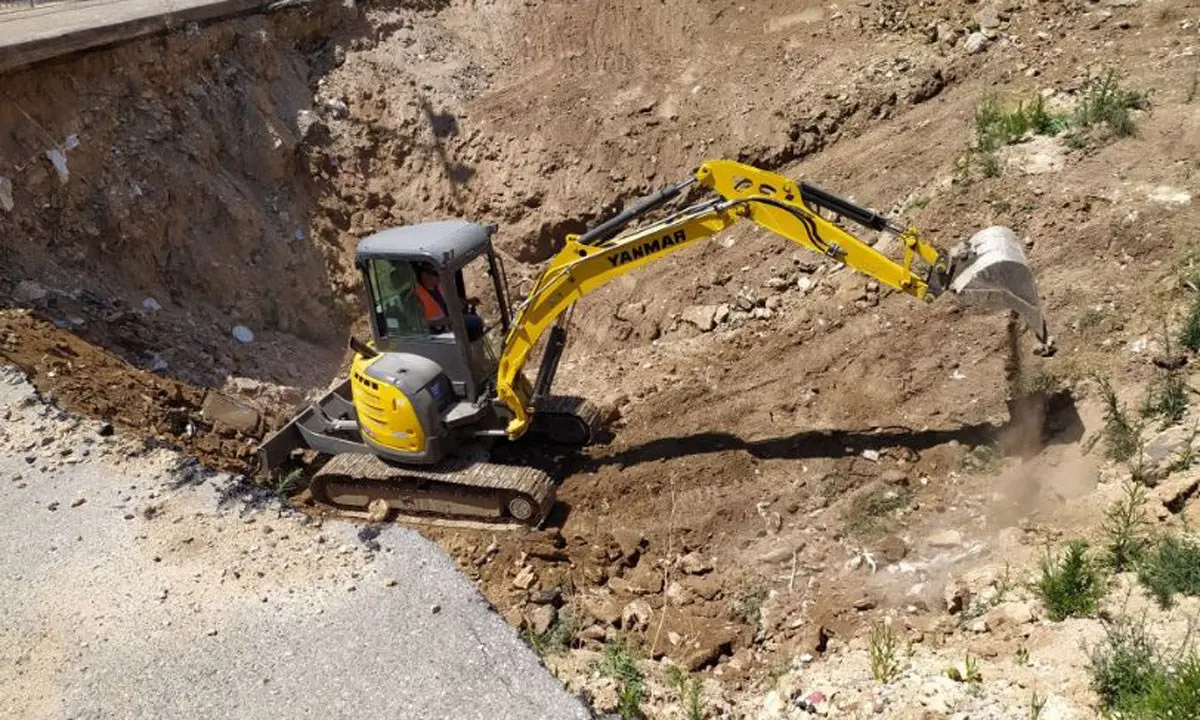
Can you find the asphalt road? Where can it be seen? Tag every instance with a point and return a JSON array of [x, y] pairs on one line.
[[146, 591], [51, 29]]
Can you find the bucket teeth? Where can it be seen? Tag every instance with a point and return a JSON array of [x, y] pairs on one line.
[[991, 272]]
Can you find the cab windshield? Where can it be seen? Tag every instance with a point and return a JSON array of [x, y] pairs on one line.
[[398, 310]]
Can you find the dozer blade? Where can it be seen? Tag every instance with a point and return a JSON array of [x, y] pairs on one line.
[[990, 272]]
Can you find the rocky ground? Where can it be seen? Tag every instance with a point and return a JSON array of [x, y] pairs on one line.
[[799, 453]]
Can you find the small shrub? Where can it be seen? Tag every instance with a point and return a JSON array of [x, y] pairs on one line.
[[1105, 102], [868, 513], [1125, 523], [688, 690], [1037, 704], [1089, 319], [287, 484], [1189, 336], [619, 664], [1173, 567], [1121, 434], [1071, 587], [557, 638], [1124, 665], [882, 648], [1167, 400], [1174, 693], [748, 606]]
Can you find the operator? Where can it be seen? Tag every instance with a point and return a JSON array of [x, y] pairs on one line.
[[436, 312]]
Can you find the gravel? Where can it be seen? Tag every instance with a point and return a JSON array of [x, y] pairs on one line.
[[194, 610]]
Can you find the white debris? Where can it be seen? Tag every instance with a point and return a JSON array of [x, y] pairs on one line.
[[60, 164], [151, 305], [1139, 345], [157, 363], [976, 42], [243, 334], [872, 455], [1169, 196], [6, 198]]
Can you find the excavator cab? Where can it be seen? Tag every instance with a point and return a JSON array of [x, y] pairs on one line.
[[415, 277]]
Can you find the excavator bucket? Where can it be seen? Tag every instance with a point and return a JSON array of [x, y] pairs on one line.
[[990, 272]]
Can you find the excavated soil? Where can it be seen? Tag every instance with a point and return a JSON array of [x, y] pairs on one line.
[[760, 471]]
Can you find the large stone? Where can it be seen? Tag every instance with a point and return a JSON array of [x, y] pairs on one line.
[[541, 618], [525, 578], [694, 564], [630, 541], [1165, 446], [945, 539], [975, 43], [707, 648], [989, 17], [222, 410], [702, 316], [706, 586], [636, 615], [606, 609]]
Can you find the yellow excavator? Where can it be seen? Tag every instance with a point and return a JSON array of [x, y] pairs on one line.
[[410, 428]]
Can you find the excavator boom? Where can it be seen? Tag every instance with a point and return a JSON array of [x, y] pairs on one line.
[[988, 271]]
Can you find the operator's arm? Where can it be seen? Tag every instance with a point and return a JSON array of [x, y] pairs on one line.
[[769, 200]]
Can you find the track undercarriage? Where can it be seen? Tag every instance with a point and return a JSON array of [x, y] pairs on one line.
[[461, 487]]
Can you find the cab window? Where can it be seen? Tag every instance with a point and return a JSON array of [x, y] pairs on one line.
[[394, 301]]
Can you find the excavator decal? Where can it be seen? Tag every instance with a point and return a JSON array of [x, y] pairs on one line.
[[648, 248]]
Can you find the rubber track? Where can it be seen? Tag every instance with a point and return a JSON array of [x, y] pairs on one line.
[[360, 468]]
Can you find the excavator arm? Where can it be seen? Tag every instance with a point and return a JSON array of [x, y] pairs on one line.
[[776, 203]]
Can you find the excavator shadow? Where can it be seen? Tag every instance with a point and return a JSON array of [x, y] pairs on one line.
[[1035, 422]]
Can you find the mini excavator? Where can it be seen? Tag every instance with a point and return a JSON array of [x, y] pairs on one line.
[[411, 427]]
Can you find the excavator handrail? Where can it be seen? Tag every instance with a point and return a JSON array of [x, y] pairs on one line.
[[767, 199]]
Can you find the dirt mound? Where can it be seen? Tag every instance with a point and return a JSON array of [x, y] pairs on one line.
[[94, 383]]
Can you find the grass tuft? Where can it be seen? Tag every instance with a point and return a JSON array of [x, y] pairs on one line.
[[1189, 336], [1167, 399], [688, 690], [1124, 666], [1126, 524], [882, 646], [557, 638], [618, 663], [1104, 102], [1171, 568], [1071, 586], [1121, 434], [869, 513]]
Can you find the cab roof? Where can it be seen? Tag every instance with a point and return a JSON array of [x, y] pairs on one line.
[[448, 244]]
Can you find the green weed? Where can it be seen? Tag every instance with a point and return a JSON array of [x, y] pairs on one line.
[[882, 646], [1037, 704], [1121, 434], [1167, 399], [688, 690], [1072, 586], [1126, 524], [1089, 319], [1123, 667], [557, 638], [287, 484], [748, 605], [969, 674], [997, 126], [618, 663], [1189, 336], [1171, 568], [868, 514], [1104, 102]]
